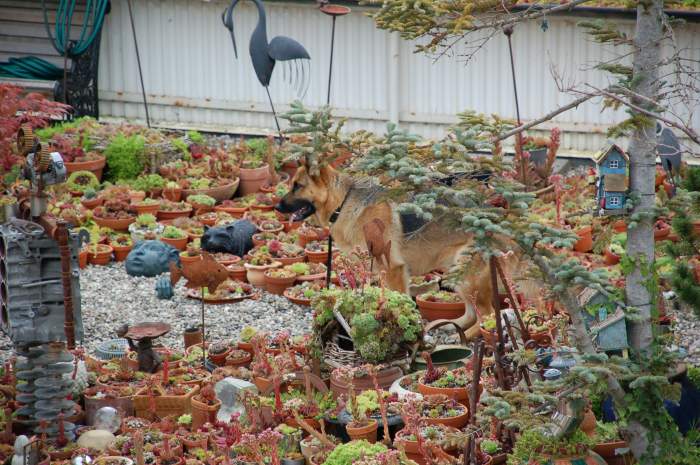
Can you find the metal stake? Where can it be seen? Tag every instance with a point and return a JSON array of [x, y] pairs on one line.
[[68, 325], [333, 11], [508, 31], [138, 61]]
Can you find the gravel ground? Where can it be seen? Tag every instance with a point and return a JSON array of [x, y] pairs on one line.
[[686, 329], [110, 298]]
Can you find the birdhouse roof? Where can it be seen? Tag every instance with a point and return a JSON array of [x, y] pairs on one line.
[[586, 295], [610, 320], [603, 154]]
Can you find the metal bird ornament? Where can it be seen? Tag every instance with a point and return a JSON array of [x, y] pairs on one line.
[[264, 55]]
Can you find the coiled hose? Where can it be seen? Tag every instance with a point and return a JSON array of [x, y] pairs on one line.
[[93, 18]]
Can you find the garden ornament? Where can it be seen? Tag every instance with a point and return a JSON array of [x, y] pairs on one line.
[[108, 419], [205, 273], [144, 334], [164, 288], [228, 391], [234, 238], [20, 443], [151, 258], [264, 55]]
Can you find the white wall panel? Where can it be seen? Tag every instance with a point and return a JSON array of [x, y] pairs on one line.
[[191, 76]]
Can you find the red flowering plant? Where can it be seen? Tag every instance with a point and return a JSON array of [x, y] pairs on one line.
[[262, 446]]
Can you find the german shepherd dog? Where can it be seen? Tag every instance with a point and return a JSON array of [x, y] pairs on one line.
[[417, 247]]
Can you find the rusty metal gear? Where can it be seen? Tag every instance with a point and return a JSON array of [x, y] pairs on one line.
[[25, 139], [44, 158]]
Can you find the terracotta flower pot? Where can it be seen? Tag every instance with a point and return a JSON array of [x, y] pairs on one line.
[[121, 224], [261, 207], [136, 196], [585, 242], [121, 252], [609, 452], [290, 167], [456, 422], [192, 337], [252, 179], [82, 259], [95, 166], [236, 212], [220, 358], [385, 378], [620, 226], [662, 232], [311, 277], [187, 260], [91, 203], [100, 254], [172, 194], [220, 193], [588, 423], [440, 310], [611, 258], [238, 273], [239, 362], [247, 346], [460, 394], [256, 273], [179, 244], [195, 444], [297, 300], [278, 285], [147, 208], [203, 413], [289, 260], [316, 257], [171, 215], [367, 432]]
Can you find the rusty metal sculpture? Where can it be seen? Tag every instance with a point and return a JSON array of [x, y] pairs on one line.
[[144, 334]]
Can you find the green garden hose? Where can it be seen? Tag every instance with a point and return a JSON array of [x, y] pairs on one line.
[[30, 67], [93, 18]]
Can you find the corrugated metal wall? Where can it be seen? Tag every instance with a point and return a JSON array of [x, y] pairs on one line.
[[192, 78]]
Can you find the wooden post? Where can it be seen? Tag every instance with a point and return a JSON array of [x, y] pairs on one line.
[[64, 249], [498, 349]]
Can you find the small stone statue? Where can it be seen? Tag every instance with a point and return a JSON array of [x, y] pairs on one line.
[[151, 258], [20, 443]]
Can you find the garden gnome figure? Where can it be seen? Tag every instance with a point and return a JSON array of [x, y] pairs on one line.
[[148, 359], [20, 443]]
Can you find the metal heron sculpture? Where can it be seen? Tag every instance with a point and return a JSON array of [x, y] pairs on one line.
[[264, 55]]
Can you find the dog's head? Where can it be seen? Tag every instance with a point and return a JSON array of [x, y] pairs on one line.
[[308, 193]]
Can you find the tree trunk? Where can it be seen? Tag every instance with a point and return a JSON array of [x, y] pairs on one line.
[[642, 152]]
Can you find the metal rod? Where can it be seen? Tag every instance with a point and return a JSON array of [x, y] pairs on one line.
[[329, 261], [204, 339], [498, 346], [138, 62], [477, 359], [508, 31], [274, 113], [330, 66], [64, 249], [513, 298]]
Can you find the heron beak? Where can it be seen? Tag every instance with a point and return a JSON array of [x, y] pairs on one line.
[[227, 19]]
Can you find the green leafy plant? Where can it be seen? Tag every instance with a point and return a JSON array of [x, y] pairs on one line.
[[146, 220], [533, 446], [80, 181], [247, 333], [125, 157], [202, 199], [148, 182], [490, 446], [172, 232], [347, 454]]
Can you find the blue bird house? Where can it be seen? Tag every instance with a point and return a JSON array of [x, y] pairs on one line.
[[605, 320], [613, 178]]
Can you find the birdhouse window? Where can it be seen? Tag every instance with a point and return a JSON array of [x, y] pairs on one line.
[[614, 201], [614, 164]]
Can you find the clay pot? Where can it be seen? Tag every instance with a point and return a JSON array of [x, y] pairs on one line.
[[660, 178], [316, 257], [195, 444], [239, 362], [367, 432], [203, 413], [611, 258], [220, 358], [121, 224], [385, 379], [238, 273], [219, 193], [662, 232], [113, 459], [121, 252], [261, 208], [136, 196], [312, 422], [147, 208], [252, 179], [585, 242], [200, 209], [256, 273], [289, 260], [171, 215], [607, 450], [179, 244], [100, 254], [696, 226], [290, 167], [440, 310], [620, 226], [247, 346], [461, 395], [82, 259], [297, 300], [95, 166], [91, 203], [456, 422], [291, 225], [236, 212], [278, 285], [172, 194], [192, 336], [187, 260]]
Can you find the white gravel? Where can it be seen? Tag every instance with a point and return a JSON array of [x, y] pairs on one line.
[[110, 298]]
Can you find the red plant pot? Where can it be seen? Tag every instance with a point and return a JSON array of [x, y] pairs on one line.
[[585, 242], [120, 224], [277, 285], [440, 310], [611, 258], [367, 432], [179, 244], [171, 215], [121, 252]]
